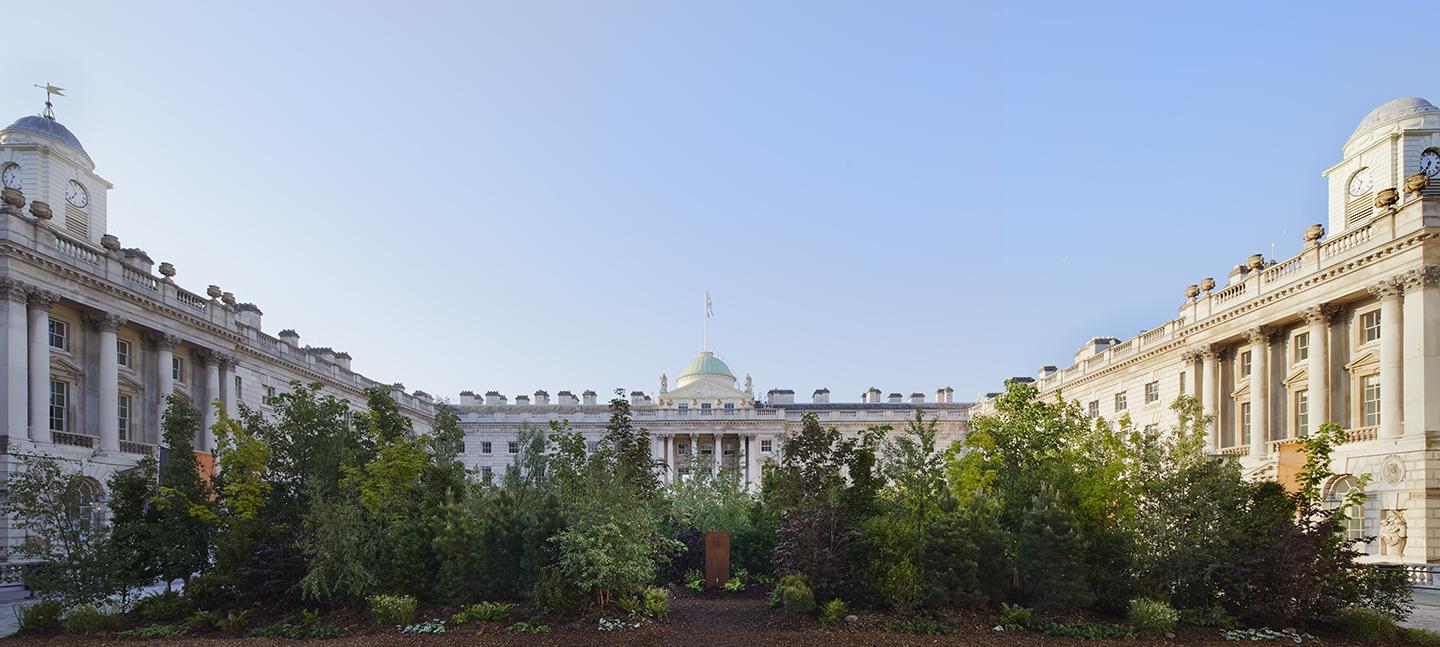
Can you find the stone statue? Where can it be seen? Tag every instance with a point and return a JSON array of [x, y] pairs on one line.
[[1417, 183], [1386, 198], [664, 382], [1393, 533], [748, 383]]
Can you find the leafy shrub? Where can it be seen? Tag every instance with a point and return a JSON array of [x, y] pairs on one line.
[[1214, 616], [162, 607], [632, 606], [86, 619], [919, 625], [435, 626], [43, 617], [1014, 617], [483, 612], [207, 592], [203, 620], [1422, 637], [1086, 630], [555, 595], [655, 602], [527, 628], [233, 621], [392, 609], [833, 612], [309, 627], [1152, 617], [734, 584], [695, 581], [793, 594], [154, 631], [1364, 625]]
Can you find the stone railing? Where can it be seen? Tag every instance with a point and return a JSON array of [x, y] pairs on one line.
[[1243, 450], [1278, 270], [75, 249], [195, 301], [1229, 294], [1345, 241], [1361, 434], [73, 440], [1423, 576], [141, 280]]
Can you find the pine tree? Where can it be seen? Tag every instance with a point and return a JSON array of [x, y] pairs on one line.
[[1051, 554], [182, 541]]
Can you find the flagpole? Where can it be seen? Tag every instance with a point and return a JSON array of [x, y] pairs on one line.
[[706, 345]]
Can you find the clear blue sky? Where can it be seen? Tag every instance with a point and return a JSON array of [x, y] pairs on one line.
[[530, 195]]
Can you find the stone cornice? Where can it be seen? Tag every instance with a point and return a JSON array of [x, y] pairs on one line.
[[1417, 279]]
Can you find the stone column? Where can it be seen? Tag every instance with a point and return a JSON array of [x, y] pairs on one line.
[[228, 393], [1259, 338], [164, 346], [13, 295], [744, 465], [39, 361], [694, 457], [1422, 349], [107, 326], [210, 361], [1318, 365], [1391, 375], [1210, 396]]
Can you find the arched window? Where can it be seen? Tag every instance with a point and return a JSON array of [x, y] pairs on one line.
[[1335, 495], [86, 496]]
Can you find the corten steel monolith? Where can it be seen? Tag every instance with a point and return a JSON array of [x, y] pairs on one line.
[[717, 559]]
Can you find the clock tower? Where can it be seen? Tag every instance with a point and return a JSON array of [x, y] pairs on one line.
[[40, 157], [1396, 140]]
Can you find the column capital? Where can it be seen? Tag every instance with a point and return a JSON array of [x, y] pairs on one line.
[[42, 299], [1214, 352], [1320, 313], [1192, 355], [1261, 334], [225, 360], [1425, 277], [204, 356], [14, 289], [161, 341], [104, 321], [1387, 289]]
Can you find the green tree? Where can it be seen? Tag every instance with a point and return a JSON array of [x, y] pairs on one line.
[[182, 502], [1049, 553], [65, 542]]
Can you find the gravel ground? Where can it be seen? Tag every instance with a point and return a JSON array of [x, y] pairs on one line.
[[711, 620]]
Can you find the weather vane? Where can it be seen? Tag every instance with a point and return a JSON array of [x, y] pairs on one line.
[[50, 90]]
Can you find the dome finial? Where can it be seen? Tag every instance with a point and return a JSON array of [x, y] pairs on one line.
[[50, 91]]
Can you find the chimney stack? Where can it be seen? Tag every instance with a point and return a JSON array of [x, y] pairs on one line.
[[821, 396]]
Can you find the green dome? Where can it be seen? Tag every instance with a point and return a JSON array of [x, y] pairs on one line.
[[707, 363]]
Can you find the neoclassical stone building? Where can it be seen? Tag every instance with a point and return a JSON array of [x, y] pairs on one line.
[[1348, 331], [705, 421], [95, 335]]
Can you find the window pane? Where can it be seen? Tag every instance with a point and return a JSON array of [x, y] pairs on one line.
[[1370, 401]]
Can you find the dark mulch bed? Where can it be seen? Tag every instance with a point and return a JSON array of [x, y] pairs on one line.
[[713, 619]]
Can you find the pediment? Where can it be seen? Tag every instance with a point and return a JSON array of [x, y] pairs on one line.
[[130, 383], [62, 364], [1363, 361], [1242, 392], [1299, 378]]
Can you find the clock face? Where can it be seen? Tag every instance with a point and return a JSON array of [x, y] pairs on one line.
[[76, 194], [11, 176], [1429, 163], [1361, 183]]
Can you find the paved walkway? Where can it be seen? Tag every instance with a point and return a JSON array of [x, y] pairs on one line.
[[1427, 610], [14, 598]]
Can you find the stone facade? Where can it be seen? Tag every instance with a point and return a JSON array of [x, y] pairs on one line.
[[703, 418], [94, 339], [1347, 331]]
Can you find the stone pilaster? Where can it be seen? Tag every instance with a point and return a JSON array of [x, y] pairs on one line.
[[1318, 318], [40, 302], [14, 356], [1420, 354], [1389, 293]]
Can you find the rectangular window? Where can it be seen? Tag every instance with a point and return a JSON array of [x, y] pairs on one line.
[[1182, 383], [1094, 408], [59, 334], [684, 409], [239, 389], [514, 447], [177, 369], [1370, 326], [59, 404], [1245, 364], [485, 447], [1244, 423], [591, 446], [727, 449], [269, 391], [1152, 392], [1302, 412], [123, 407], [486, 471], [1370, 401], [766, 446], [1152, 429], [1120, 401], [729, 405], [706, 449], [682, 449], [1302, 347], [122, 353]]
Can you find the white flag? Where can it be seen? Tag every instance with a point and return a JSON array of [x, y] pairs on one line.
[[709, 308]]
